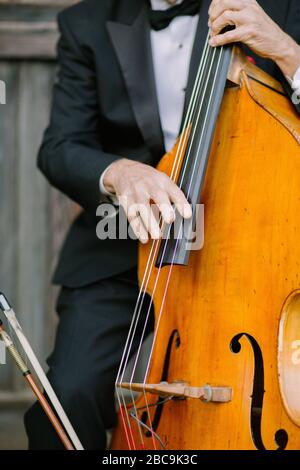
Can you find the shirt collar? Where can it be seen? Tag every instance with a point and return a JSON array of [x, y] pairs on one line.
[[162, 4]]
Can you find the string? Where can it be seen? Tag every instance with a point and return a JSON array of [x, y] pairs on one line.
[[184, 136], [159, 270], [174, 253], [170, 269], [168, 279], [184, 170], [155, 244], [153, 255], [175, 250]]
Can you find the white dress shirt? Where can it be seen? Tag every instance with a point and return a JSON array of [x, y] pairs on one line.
[[295, 83], [171, 50]]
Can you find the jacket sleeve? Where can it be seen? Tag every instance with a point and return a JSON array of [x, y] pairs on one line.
[[71, 156]]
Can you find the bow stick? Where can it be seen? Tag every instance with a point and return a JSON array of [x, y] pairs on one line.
[[12, 319], [34, 387]]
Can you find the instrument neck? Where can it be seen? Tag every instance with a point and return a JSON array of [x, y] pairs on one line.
[[202, 114]]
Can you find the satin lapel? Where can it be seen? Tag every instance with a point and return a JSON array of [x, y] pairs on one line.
[[132, 45]]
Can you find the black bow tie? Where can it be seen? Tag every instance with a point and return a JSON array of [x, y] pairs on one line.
[[160, 19]]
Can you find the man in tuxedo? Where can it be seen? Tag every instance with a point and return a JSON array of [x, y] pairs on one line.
[[126, 70]]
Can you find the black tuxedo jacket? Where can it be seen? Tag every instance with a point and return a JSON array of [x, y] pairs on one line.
[[104, 108]]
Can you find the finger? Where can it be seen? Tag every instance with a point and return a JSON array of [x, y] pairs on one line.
[[236, 35], [218, 7], [149, 221], [229, 17], [131, 211], [180, 201], [163, 203], [130, 207], [139, 230]]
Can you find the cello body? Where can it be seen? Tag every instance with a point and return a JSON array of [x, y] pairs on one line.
[[223, 319]]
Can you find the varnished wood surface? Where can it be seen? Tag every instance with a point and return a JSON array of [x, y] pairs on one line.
[[240, 63], [237, 283], [289, 356]]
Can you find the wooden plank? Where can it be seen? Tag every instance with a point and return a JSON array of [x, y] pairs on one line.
[[12, 432], [8, 200], [28, 46], [27, 27], [34, 218], [28, 13], [22, 398], [34, 224], [29, 30]]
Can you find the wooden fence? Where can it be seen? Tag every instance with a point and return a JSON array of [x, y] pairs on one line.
[[33, 217]]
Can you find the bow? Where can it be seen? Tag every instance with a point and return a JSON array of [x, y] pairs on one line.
[[12, 319]]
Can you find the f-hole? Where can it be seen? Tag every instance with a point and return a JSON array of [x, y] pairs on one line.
[[281, 436], [174, 340]]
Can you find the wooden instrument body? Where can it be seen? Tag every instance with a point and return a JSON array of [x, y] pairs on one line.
[[238, 283]]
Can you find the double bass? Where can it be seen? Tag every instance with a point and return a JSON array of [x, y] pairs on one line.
[[223, 370]]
